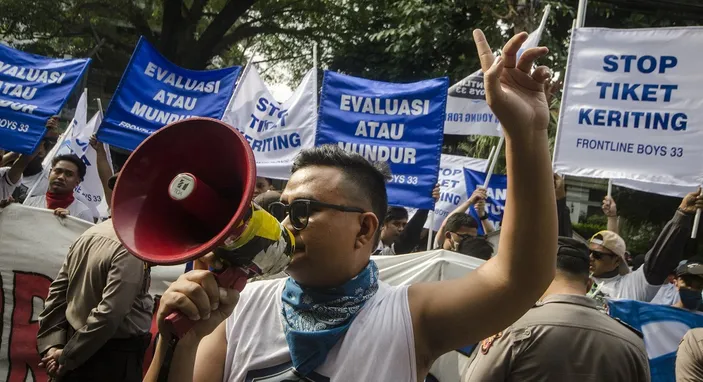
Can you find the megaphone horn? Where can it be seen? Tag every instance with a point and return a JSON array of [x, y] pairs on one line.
[[186, 191]]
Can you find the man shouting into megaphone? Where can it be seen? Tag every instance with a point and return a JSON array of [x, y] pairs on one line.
[[332, 319]]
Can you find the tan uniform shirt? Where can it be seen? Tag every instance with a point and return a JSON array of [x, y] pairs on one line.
[[689, 358], [562, 338], [101, 292]]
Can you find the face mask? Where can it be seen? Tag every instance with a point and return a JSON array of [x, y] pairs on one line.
[[690, 298]]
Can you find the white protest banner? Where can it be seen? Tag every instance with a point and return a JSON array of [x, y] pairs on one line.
[[467, 110], [632, 106], [34, 244], [276, 132], [452, 185], [656, 188]]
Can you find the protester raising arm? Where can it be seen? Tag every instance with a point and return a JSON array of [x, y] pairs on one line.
[[104, 167], [450, 314], [483, 216], [667, 251], [478, 195], [610, 210]]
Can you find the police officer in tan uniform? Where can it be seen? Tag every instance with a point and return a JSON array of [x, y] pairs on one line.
[[564, 337], [689, 358]]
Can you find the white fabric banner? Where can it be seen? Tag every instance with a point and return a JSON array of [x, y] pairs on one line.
[[656, 188], [91, 188], [33, 244], [452, 185], [467, 110], [632, 107], [276, 132]]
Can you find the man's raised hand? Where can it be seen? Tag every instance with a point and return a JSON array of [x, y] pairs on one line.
[[514, 91], [610, 209], [692, 202], [479, 194]]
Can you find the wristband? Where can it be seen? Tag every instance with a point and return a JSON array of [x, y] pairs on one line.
[[484, 217]]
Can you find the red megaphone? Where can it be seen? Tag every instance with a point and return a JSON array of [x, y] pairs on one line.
[[187, 191]]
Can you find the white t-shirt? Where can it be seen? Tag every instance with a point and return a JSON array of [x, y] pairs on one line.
[[632, 286], [28, 181], [667, 295], [379, 345], [6, 187], [75, 209]]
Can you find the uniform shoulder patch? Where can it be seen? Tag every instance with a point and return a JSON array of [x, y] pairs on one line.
[[632, 328], [488, 342]]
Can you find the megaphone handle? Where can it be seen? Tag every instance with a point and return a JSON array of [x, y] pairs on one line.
[[230, 278]]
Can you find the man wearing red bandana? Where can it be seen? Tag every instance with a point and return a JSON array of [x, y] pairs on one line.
[[67, 172]]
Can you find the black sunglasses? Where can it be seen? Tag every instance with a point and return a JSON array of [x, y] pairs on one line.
[[464, 236], [599, 255], [300, 210]]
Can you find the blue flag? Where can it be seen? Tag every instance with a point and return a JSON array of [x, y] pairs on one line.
[[663, 328], [154, 92], [497, 193], [32, 89], [401, 124]]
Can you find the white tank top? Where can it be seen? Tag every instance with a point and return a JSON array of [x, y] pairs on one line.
[[379, 345]]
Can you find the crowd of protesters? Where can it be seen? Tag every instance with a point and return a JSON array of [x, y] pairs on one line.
[[535, 311]]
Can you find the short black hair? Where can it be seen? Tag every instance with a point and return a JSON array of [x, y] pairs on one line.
[[368, 179], [395, 213], [73, 158], [456, 221], [476, 247], [573, 256]]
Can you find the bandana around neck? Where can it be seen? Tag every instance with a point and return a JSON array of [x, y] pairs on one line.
[[315, 319], [54, 200]]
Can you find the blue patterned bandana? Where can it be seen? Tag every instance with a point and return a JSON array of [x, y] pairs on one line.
[[315, 319]]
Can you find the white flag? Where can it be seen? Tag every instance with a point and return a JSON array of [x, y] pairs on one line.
[[276, 132], [91, 188], [467, 110]]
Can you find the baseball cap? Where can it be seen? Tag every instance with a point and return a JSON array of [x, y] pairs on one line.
[[613, 242], [691, 267]]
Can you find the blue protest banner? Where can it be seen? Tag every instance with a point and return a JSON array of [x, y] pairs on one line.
[[154, 92], [497, 192], [32, 89], [401, 124]]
